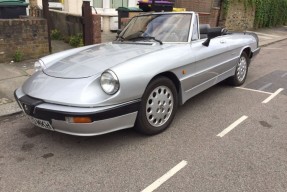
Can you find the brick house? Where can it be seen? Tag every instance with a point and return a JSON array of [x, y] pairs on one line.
[[209, 9]]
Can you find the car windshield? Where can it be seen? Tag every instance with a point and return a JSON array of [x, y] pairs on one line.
[[161, 28]]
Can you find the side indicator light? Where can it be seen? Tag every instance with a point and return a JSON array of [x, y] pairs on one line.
[[78, 119], [183, 72]]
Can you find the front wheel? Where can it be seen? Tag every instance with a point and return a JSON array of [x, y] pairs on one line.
[[241, 71], [158, 107]]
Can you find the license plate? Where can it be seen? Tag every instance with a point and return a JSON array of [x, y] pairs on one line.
[[38, 122], [41, 123]]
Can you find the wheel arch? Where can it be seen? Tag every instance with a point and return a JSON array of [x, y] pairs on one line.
[[248, 51], [174, 79]]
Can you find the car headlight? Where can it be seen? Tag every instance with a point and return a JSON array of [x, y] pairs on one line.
[[39, 65], [110, 82]]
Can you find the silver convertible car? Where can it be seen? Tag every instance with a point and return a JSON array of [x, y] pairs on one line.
[[157, 63]]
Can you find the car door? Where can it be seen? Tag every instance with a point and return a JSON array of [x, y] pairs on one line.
[[209, 64]]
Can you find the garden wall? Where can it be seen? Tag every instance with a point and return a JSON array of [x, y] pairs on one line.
[[71, 24], [68, 24], [239, 17], [27, 36]]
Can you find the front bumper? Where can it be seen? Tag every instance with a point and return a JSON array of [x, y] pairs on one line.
[[104, 119]]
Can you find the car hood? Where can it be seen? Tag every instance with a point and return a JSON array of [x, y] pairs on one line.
[[97, 59]]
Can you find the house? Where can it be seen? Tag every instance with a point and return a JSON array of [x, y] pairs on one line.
[[210, 10], [99, 6]]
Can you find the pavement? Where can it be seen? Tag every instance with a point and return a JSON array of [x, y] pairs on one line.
[[13, 75]]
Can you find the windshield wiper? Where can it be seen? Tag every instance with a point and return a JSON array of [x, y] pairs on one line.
[[146, 37]]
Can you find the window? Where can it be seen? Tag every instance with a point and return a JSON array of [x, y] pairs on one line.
[[98, 3], [110, 3], [118, 3], [195, 35], [167, 28]]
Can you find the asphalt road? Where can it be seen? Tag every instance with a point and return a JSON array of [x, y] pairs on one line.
[[225, 139]]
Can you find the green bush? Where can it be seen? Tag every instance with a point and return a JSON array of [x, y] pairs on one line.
[[76, 40], [18, 56], [56, 34], [268, 13]]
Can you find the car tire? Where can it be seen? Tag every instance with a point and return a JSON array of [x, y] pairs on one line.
[[158, 107], [241, 71]]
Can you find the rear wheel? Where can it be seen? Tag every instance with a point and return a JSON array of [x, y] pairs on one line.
[[241, 71], [158, 107]]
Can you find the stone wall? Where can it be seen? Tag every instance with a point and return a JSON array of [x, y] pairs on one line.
[[238, 17], [28, 36]]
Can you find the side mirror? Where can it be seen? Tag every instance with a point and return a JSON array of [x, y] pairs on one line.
[[212, 33]]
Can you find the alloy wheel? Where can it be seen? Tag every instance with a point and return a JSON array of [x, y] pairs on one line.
[[159, 106]]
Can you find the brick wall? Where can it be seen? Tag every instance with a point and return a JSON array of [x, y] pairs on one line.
[[238, 18], [28, 35], [214, 15], [195, 5], [209, 10], [97, 29]]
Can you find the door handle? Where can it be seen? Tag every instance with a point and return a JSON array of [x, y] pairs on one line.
[[222, 41]]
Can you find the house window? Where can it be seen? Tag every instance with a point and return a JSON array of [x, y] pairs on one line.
[[111, 3], [98, 3], [118, 3]]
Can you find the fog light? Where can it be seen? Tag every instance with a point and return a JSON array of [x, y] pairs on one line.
[[78, 119]]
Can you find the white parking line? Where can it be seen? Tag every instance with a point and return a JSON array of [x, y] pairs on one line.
[[232, 126], [253, 90], [165, 177], [272, 96], [273, 48]]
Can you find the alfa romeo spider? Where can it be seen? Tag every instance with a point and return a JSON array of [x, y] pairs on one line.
[[157, 62]]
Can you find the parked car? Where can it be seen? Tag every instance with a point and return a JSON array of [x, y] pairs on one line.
[[157, 63]]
